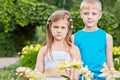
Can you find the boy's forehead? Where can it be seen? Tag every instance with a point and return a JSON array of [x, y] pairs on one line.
[[90, 7]]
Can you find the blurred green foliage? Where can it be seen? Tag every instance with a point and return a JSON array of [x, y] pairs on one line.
[[18, 21]]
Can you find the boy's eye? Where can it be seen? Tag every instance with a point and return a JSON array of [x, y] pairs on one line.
[[94, 13]]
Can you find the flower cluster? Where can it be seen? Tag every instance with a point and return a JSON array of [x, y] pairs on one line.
[[116, 50], [25, 73], [87, 74], [109, 74], [76, 64], [29, 49], [63, 65]]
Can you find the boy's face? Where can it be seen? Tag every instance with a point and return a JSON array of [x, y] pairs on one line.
[[90, 16]]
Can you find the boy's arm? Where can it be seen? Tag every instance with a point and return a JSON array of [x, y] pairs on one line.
[[109, 51]]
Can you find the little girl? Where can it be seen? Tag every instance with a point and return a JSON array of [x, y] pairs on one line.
[[58, 47]]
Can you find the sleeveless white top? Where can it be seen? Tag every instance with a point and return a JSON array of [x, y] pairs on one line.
[[57, 56]]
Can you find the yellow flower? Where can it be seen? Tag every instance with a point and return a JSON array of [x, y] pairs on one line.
[[25, 48], [116, 50], [30, 49], [62, 65], [37, 47], [77, 64], [19, 53]]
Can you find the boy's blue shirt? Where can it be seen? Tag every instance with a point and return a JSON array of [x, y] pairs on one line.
[[92, 46]]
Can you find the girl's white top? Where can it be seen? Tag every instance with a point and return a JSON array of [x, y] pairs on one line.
[[56, 57]]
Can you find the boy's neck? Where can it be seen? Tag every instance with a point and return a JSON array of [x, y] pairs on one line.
[[90, 29]]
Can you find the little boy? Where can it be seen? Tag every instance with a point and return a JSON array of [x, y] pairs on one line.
[[95, 44]]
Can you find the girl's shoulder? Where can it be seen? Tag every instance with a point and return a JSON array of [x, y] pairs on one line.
[[74, 48], [43, 50]]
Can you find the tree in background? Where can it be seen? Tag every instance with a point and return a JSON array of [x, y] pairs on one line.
[[18, 20]]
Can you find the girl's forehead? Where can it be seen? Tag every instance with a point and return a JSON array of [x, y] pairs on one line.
[[62, 21]]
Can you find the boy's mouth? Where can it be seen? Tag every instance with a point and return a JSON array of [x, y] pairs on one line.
[[90, 21]]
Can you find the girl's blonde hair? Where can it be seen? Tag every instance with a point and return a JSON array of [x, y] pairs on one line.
[[88, 3], [56, 16]]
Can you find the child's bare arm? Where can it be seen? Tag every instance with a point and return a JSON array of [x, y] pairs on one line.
[[109, 51], [75, 54], [40, 61]]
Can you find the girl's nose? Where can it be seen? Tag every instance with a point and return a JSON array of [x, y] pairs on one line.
[[59, 30]]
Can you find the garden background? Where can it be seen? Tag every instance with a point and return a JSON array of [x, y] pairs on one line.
[[23, 23]]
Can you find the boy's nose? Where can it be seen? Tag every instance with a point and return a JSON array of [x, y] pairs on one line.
[[90, 15]]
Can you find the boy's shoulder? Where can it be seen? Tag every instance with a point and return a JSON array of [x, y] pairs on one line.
[[108, 36]]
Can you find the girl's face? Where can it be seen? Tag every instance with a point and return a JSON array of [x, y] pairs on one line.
[[59, 29]]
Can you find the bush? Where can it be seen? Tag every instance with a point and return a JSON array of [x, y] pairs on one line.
[[9, 73], [29, 55], [116, 57], [18, 21]]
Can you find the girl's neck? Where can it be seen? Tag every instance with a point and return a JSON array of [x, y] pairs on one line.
[[58, 43], [59, 46]]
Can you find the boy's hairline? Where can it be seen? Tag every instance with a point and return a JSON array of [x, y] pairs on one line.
[[98, 4]]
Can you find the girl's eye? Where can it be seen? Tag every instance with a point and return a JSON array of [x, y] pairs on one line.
[[63, 27], [85, 13], [55, 26]]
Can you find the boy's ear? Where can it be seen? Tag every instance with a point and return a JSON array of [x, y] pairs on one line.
[[81, 14], [100, 15]]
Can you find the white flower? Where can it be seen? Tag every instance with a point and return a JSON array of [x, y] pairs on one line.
[[109, 74], [26, 72], [86, 73]]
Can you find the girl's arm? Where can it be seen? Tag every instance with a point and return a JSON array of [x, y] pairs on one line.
[[75, 54], [109, 51], [72, 37], [40, 60]]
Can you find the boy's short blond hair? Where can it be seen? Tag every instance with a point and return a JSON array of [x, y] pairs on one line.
[[91, 2]]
